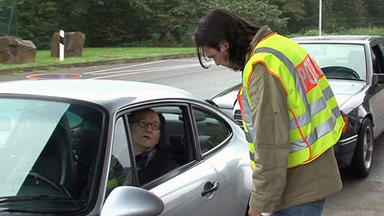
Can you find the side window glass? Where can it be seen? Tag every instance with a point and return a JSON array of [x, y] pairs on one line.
[[378, 60], [212, 131], [120, 165], [381, 47], [159, 141]]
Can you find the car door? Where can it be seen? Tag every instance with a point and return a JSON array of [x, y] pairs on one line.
[[377, 97], [217, 180], [224, 146], [209, 172], [192, 189]]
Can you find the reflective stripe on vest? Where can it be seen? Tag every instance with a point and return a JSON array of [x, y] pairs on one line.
[[247, 124], [315, 119]]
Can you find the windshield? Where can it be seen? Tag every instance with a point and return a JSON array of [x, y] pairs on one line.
[[48, 151], [339, 61]]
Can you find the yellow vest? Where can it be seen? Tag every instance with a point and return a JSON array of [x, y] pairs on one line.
[[315, 120]]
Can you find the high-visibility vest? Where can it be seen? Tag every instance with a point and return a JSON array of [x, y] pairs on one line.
[[315, 120]]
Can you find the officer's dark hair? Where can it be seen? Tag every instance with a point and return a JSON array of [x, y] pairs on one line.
[[222, 25]]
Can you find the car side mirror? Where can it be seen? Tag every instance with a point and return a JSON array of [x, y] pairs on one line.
[[132, 201]]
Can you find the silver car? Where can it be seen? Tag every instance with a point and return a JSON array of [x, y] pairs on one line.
[[60, 139]]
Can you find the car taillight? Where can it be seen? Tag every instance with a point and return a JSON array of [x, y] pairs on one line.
[[346, 121]]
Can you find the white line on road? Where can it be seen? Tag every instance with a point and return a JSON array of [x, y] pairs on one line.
[[142, 71], [116, 68]]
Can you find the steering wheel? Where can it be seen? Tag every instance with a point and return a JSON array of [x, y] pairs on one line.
[[340, 72], [58, 187]]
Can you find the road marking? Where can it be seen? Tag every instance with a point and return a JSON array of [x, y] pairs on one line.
[[142, 71], [128, 66], [54, 76]]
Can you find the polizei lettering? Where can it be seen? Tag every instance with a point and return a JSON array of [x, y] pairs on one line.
[[309, 73]]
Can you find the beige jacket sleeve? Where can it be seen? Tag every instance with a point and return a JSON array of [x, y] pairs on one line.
[[270, 119]]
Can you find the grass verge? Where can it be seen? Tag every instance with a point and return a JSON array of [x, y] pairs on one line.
[[43, 57]]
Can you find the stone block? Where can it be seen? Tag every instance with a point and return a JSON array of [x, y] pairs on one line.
[[14, 50], [73, 44]]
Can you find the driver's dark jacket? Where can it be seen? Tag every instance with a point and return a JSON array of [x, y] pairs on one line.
[[160, 164], [147, 169]]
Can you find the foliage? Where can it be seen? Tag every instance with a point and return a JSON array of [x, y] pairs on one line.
[[294, 10], [38, 21], [172, 22], [258, 12], [8, 24]]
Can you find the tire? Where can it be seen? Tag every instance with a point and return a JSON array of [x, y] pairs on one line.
[[362, 157]]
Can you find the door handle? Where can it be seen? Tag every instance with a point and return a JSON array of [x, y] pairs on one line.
[[209, 187]]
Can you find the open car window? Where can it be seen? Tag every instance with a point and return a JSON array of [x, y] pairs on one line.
[[173, 149]]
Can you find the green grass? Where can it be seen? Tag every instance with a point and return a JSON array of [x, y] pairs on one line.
[[43, 57]]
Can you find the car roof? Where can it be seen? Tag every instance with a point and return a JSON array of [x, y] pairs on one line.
[[103, 92], [338, 39]]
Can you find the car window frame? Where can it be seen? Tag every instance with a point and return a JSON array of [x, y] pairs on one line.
[[125, 111], [187, 107], [377, 51], [218, 117]]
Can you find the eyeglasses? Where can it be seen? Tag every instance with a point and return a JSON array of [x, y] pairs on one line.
[[144, 124]]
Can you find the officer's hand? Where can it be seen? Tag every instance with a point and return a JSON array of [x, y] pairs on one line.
[[252, 212]]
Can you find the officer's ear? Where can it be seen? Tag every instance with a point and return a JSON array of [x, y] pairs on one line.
[[223, 46]]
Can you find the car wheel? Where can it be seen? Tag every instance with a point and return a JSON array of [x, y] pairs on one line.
[[362, 158]]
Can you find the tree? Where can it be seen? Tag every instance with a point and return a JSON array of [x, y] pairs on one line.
[[8, 18], [37, 21], [258, 12], [294, 10], [178, 19], [375, 12]]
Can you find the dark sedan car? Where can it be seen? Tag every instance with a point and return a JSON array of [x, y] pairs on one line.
[[354, 66]]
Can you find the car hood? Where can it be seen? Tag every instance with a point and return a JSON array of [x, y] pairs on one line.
[[344, 90]]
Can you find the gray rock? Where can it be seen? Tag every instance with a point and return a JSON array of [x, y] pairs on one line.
[[14, 50], [73, 44]]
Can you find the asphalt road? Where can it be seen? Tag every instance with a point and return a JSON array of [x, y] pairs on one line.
[[182, 73], [358, 196]]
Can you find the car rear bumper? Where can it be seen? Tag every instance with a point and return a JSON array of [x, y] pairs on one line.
[[344, 149]]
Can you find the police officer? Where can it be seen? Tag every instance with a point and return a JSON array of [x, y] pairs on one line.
[[290, 114]]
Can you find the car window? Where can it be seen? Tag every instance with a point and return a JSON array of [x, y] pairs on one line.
[[51, 151], [120, 173], [173, 146], [378, 59], [20, 116], [177, 138], [212, 131], [344, 61]]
